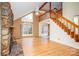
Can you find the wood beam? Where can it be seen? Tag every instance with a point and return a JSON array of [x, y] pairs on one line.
[[43, 5]]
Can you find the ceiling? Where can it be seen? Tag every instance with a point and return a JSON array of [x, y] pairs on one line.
[[21, 8]]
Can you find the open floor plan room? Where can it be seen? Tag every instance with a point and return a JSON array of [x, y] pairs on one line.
[[39, 28]]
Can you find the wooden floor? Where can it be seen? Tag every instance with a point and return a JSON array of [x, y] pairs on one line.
[[34, 46]]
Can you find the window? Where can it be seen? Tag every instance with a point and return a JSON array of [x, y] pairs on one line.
[[28, 18], [27, 25], [26, 29]]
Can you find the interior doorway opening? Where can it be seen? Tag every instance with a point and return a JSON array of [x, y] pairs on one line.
[[45, 30]]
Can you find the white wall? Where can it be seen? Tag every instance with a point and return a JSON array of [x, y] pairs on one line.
[[70, 9], [58, 35]]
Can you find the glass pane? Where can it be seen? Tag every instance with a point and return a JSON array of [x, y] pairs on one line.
[[26, 29], [28, 18]]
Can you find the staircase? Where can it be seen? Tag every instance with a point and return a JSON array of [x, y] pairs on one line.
[[69, 27]]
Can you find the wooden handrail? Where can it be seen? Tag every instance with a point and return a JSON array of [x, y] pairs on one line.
[[73, 24]]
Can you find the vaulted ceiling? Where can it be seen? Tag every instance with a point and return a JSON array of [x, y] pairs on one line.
[[21, 8]]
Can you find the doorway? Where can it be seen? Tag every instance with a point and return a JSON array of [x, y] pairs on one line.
[[45, 30]]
